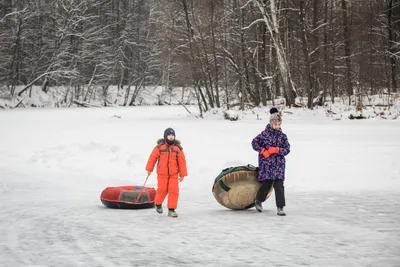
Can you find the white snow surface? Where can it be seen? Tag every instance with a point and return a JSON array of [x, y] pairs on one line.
[[342, 191]]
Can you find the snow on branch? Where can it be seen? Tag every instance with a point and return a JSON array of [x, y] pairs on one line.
[[246, 4], [253, 23], [13, 13], [41, 76], [319, 26], [268, 77], [317, 48]]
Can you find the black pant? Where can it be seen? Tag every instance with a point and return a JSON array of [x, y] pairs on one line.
[[279, 189]]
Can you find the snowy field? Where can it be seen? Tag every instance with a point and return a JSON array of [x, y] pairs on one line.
[[342, 189]]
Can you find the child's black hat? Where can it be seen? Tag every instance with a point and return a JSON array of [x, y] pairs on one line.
[[273, 110], [167, 132]]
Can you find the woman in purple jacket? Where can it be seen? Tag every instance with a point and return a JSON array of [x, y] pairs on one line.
[[272, 145]]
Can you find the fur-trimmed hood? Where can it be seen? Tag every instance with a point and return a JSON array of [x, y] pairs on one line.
[[177, 143]]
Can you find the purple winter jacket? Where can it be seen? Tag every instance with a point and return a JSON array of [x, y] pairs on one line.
[[273, 167]]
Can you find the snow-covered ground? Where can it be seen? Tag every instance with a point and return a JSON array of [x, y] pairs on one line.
[[342, 189]]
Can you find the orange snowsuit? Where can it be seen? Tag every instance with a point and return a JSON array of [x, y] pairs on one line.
[[171, 162]]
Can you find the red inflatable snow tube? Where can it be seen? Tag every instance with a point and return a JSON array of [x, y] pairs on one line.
[[126, 197]]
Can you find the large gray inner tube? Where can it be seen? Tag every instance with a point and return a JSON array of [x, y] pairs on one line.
[[236, 187]]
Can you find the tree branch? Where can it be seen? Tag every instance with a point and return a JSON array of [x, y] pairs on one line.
[[39, 77]]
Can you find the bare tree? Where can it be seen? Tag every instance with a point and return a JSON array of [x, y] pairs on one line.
[[393, 22], [270, 14], [347, 58], [304, 38], [230, 52]]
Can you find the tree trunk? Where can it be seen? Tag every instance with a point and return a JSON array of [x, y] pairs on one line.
[[304, 40], [272, 23], [241, 60], [262, 62], [325, 83], [15, 63], [392, 45], [216, 69], [192, 65], [225, 65], [314, 58], [333, 80], [346, 35]]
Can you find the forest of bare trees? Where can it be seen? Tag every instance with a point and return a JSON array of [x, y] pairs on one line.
[[231, 52]]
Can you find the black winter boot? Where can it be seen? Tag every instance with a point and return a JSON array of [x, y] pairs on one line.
[[159, 209], [258, 205]]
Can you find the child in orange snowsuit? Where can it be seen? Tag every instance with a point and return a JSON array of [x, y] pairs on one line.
[[171, 163]]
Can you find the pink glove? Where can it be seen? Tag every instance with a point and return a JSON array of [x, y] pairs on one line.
[[265, 153], [273, 150]]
